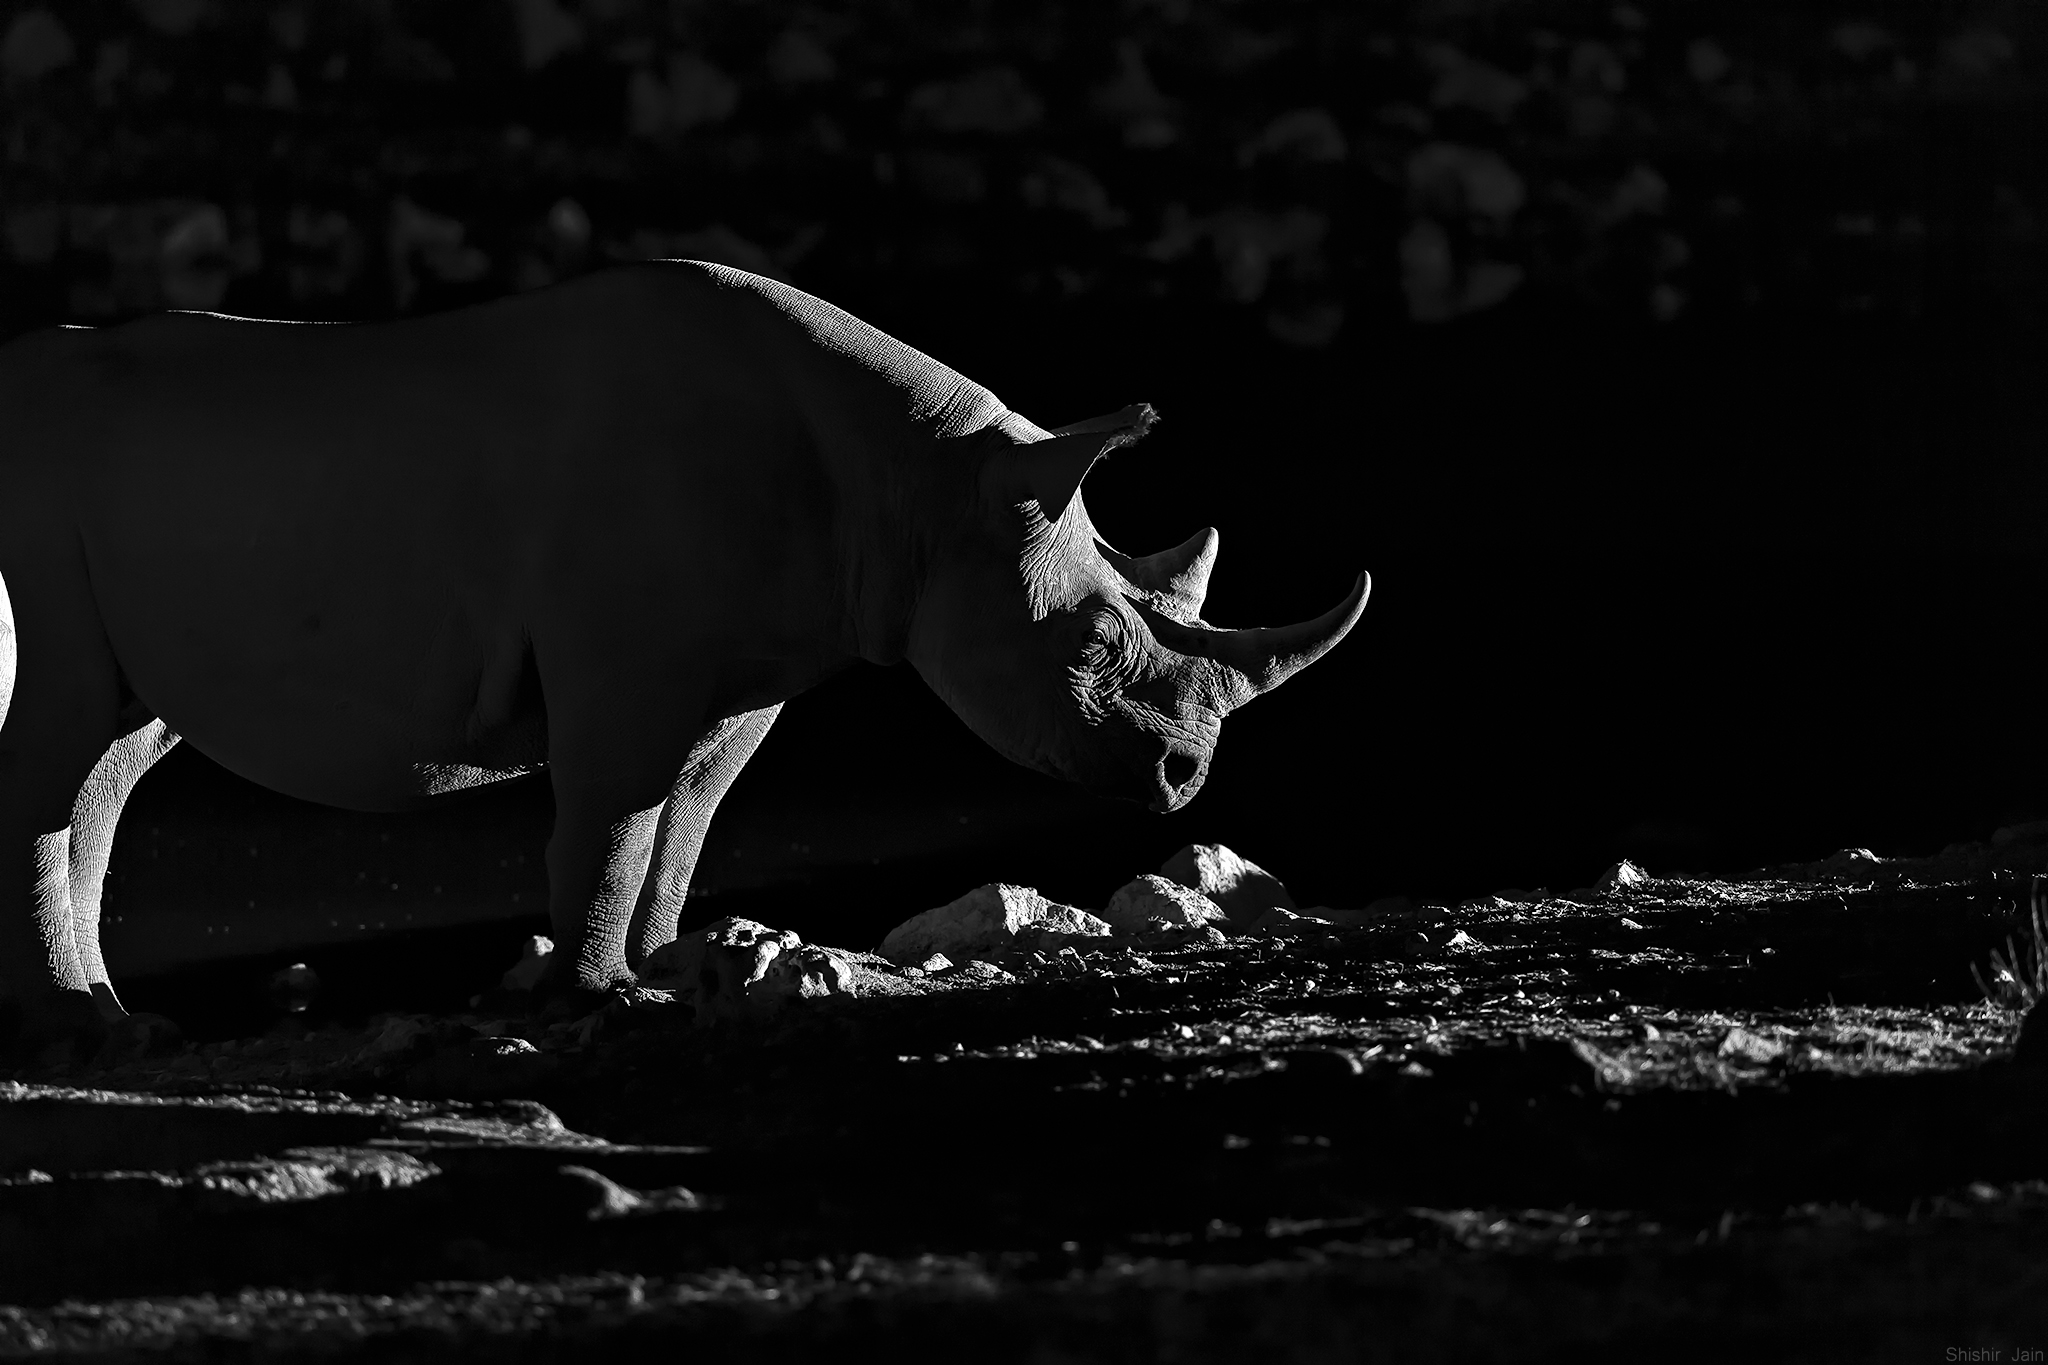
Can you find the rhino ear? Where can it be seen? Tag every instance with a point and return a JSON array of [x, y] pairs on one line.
[[1053, 469]]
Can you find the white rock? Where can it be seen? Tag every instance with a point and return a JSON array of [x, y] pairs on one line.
[[737, 969], [716, 969], [936, 963], [990, 921], [1240, 887], [527, 973], [1621, 876], [482, 1068], [1151, 906], [606, 1198], [1742, 1045], [1285, 923], [805, 972]]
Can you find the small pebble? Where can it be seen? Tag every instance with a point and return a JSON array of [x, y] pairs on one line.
[[292, 988]]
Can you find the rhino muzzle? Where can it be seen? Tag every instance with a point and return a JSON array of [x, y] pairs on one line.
[[1229, 668]]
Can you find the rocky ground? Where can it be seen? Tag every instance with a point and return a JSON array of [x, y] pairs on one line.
[[1773, 1115]]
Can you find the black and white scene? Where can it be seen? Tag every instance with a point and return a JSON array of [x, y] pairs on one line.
[[1155, 681]]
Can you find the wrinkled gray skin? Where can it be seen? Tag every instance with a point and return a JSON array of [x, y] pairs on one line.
[[607, 528]]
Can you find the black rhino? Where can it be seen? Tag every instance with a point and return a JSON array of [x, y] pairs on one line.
[[607, 528]]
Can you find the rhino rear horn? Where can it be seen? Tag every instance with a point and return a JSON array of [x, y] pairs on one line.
[[1054, 468], [1242, 664], [1182, 573]]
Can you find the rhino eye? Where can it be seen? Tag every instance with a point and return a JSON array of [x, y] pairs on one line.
[[1098, 668], [1103, 639]]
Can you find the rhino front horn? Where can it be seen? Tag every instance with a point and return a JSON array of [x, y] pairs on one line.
[[1246, 663]]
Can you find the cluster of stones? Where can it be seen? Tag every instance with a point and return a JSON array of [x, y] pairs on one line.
[[738, 969], [734, 969], [1198, 895]]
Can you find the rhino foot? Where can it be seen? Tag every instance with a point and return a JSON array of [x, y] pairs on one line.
[[552, 1004], [139, 1035]]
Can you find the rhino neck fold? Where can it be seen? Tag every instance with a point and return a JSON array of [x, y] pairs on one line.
[[889, 536], [901, 503], [898, 434]]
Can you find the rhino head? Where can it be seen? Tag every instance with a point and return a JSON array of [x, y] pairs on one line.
[[1078, 661]]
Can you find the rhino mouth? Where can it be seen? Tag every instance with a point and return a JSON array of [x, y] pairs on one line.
[[1168, 784], [1176, 778]]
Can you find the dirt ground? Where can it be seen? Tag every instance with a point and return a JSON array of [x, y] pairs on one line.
[[1772, 1116]]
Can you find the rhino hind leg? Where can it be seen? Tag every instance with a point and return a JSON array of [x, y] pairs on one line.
[[94, 814], [62, 702], [715, 761]]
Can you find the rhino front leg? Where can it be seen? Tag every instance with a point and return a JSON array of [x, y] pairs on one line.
[[597, 859], [715, 760], [94, 814]]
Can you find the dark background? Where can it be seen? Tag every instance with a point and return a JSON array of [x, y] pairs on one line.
[[1674, 369]]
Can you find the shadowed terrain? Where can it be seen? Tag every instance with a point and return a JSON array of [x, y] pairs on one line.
[[1673, 368], [1761, 1114]]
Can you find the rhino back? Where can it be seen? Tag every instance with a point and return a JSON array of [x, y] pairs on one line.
[[322, 551]]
